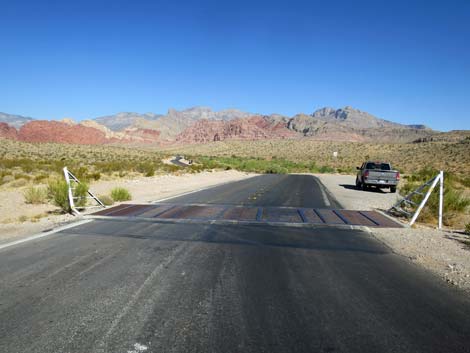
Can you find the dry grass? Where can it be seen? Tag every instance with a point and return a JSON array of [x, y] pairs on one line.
[[407, 157], [31, 163]]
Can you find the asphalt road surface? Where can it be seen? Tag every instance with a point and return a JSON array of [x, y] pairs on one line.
[[115, 286], [176, 161]]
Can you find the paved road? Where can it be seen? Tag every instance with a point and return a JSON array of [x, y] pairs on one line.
[[110, 286], [176, 161]]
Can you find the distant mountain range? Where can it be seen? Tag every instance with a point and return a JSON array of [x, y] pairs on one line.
[[15, 121], [202, 124]]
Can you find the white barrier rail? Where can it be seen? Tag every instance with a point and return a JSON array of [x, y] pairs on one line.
[[407, 199], [69, 178]]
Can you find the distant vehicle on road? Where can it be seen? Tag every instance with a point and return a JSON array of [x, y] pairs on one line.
[[377, 174]]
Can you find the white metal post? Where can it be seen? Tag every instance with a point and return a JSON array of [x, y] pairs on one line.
[[441, 197], [70, 194]]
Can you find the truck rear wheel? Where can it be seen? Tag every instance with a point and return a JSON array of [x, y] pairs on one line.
[[393, 189], [364, 186], [358, 183]]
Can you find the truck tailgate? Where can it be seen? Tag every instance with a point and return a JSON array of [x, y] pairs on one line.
[[382, 176]]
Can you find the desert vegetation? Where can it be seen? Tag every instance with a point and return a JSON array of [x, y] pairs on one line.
[[456, 197], [28, 163], [120, 194], [261, 165], [36, 169], [453, 157]]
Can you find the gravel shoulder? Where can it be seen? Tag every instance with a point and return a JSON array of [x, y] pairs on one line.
[[444, 252], [143, 189]]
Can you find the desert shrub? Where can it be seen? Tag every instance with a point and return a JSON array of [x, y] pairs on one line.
[[40, 177], [268, 165], [106, 200], [35, 195], [326, 169], [120, 194], [22, 176], [57, 191], [7, 179], [81, 173], [467, 228], [19, 183], [81, 192], [170, 168], [466, 182], [146, 168], [95, 176]]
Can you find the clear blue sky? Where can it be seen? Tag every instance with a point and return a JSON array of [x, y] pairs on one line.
[[406, 61]]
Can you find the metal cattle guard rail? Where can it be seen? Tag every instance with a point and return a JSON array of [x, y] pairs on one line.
[[406, 201], [69, 178]]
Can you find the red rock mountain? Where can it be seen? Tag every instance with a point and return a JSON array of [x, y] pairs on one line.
[[253, 128], [55, 131], [201, 125], [68, 132], [7, 131]]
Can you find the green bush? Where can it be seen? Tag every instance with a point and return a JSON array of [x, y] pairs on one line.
[[467, 228], [106, 200], [148, 169], [57, 192], [120, 194], [35, 195], [95, 176], [326, 169], [274, 165], [81, 191]]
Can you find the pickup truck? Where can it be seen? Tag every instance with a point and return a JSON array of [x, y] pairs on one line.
[[377, 174]]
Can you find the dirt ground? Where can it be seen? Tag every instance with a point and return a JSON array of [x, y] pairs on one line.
[[444, 252], [18, 219]]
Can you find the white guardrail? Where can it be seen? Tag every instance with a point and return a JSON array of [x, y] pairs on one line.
[[407, 199], [70, 178]]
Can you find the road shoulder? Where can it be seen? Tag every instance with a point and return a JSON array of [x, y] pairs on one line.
[[444, 252]]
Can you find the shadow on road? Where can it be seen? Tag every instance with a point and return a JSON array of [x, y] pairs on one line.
[[342, 240], [354, 187], [460, 237]]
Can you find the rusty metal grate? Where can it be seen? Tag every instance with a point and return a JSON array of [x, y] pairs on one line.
[[247, 214]]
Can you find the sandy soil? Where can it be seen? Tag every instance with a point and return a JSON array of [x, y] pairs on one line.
[[17, 217], [444, 252]]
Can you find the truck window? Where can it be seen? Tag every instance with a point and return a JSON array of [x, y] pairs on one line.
[[371, 166], [385, 166]]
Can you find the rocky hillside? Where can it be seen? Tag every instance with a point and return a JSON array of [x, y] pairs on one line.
[[120, 121], [253, 128], [175, 122], [61, 132], [67, 131], [351, 124], [201, 124], [7, 131], [352, 118]]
